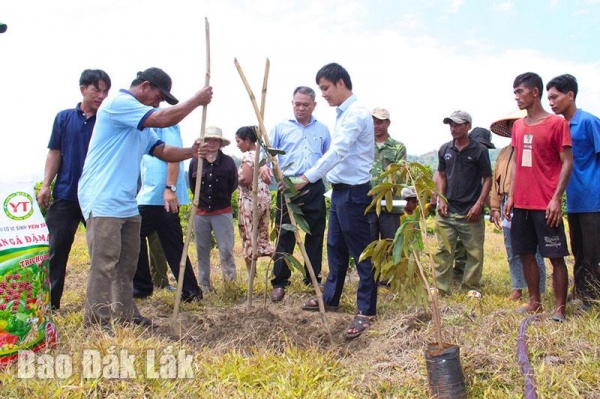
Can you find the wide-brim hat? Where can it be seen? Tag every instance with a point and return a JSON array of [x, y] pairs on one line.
[[501, 126], [213, 132]]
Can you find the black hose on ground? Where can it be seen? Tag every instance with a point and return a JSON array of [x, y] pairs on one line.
[[529, 391]]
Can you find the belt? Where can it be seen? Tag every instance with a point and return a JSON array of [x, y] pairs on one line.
[[344, 186]]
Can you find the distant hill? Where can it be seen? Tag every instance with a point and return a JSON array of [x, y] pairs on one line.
[[430, 158]]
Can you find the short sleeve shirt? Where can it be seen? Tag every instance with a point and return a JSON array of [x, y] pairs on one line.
[[71, 134], [464, 173], [108, 185], [537, 160], [583, 190]]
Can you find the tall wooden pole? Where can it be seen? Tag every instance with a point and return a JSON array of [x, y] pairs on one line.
[[279, 176], [188, 234], [255, 192]]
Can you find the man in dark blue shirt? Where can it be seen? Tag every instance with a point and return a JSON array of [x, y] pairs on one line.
[[68, 147]]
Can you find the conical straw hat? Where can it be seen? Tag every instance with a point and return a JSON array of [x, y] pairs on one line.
[[501, 126]]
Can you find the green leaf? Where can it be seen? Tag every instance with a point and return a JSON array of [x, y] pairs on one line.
[[274, 151], [289, 189], [389, 201], [302, 223], [295, 209], [289, 165], [367, 252], [273, 235], [289, 227], [293, 263]]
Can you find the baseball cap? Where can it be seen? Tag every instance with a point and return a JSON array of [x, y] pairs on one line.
[[408, 192], [459, 117], [483, 136], [380, 113], [160, 79]]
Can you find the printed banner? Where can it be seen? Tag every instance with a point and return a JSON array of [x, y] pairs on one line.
[[24, 283]]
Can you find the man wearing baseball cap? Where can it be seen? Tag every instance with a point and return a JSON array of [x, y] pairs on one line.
[[108, 187], [465, 179], [387, 151]]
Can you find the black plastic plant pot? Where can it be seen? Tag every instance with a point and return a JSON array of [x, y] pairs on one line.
[[444, 372]]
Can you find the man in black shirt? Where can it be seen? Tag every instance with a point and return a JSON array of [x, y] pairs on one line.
[[465, 179]]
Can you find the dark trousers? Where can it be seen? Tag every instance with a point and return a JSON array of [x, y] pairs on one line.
[[168, 227], [349, 234], [383, 226], [63, 218], [313, 208], [584, 231]]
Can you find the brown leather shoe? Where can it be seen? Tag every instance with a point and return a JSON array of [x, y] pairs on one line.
[[277, 294]]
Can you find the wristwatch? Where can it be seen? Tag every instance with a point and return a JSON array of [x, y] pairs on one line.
[[172, 188]]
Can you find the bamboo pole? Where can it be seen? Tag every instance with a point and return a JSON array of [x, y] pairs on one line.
[[279, 176], [255, 192], [188, 234]]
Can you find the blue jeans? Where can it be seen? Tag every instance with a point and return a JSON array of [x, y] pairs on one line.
[[517, 277]]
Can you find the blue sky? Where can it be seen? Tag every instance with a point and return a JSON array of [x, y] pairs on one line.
[[419, 59]]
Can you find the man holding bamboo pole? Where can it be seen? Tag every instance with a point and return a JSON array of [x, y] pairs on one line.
[[108, 186], [347, 164], [304, 140]]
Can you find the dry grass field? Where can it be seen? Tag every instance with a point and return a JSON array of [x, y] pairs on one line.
[[279, 351]]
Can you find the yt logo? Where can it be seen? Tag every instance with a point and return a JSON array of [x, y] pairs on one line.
[[18, 206]]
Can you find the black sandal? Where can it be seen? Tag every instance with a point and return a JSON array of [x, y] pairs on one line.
[[359, 324], [312, 305]]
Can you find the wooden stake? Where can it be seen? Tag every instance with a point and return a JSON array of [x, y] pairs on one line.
[[255, 192], [279, 177], [188, 234]]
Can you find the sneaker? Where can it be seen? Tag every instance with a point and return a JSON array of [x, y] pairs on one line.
[[167, 287]]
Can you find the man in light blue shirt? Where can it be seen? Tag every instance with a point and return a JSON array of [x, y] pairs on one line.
[[304, 140], [163, 190], [347, 164], [108, 188], [583, 190]]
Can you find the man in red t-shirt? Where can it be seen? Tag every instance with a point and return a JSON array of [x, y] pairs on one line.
[[544, 162]]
